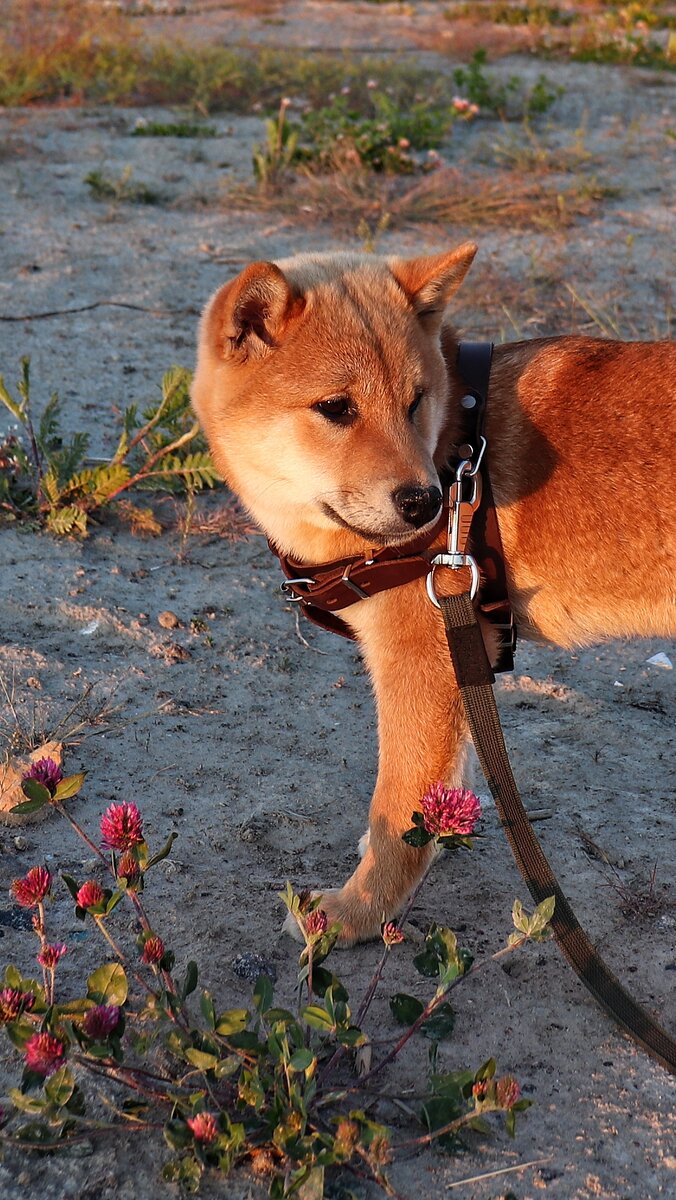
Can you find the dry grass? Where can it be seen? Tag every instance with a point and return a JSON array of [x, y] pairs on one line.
[[593, 31], [226, 521], [448, 196]]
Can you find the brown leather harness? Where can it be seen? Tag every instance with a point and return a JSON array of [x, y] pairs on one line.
[[327, 588]]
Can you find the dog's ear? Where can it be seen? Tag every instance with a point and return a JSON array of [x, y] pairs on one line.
[[247, 317], [429, 282]]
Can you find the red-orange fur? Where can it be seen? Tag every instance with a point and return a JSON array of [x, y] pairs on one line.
[[580, 437]]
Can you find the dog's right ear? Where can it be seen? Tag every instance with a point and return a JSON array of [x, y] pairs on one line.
[[247, 317]]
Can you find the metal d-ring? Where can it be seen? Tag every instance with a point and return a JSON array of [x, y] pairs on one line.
[[455, 562]]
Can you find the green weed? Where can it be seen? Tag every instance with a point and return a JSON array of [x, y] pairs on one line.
[[49, 479], [509, 100], [121, 190], [181, 129]]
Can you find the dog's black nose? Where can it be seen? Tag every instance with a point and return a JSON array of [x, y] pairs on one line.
[[417, 505]]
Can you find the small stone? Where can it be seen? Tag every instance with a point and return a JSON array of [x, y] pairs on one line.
[[168, 620], [250, 965], [20, 843], [34, 683]]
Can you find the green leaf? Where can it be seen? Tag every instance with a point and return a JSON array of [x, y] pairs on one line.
[[289, 898], [519, 917], [12, 977], [313, 1186], [405, 1009], [113, 901], [200, 1059], [231, 1022], [453, 1084], [70, 884], [486, 1071], [301, 1059], [441, 950], [545, 911], [37, 1133], [438, 1111], [177, 1135], [70, 786], [108, 984], [317, 1017], [27, 1104], [440, 1024], [60, 1086], [189, 1174], [322, 979], [73, 1008], [163, 852], [18, 1033], [227, 1066], [350, 1035], [417, 837], [70, 519], [263, 993], [28, 806], [36, 791], [479, 1125], [208, 1011], [190, 981]]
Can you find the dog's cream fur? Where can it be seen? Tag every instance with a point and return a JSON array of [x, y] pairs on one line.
[[580, 446]]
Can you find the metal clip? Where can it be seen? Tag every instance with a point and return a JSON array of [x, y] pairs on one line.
[[288, 584], [461, 510]]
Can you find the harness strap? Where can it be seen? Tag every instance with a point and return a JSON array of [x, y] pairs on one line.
[[323, 589], [475, 678], [474, 366]]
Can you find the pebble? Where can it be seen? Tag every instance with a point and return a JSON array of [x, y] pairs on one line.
[[250, 965], [168, 620]]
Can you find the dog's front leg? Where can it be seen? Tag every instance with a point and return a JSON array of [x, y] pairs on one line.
[[422, 735]]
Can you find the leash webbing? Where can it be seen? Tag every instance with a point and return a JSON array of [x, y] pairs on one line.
[[475, 679]]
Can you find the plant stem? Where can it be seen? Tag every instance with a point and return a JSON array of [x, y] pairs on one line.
[[434, 1003], [375, 980], [451, 1127], [140, 912], [146, 469]]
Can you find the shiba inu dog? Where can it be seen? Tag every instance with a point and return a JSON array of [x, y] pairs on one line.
[[327, 388]]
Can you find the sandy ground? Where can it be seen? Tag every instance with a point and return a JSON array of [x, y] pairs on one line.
[[253, 742]]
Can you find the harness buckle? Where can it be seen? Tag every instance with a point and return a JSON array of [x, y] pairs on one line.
[[288, 584]]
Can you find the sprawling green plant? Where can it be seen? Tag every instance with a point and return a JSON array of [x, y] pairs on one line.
[[45, 476], [510, 100], [281, 1088]]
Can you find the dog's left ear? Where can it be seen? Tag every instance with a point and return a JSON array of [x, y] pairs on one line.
[[429, 282]]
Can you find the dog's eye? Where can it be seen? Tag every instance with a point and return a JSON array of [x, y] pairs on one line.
[[337, 409], [417, 397]]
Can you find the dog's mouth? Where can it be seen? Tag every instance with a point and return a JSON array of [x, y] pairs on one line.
[[380, 537]]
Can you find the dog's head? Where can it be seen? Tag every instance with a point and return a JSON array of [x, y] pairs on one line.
[[322, 389]]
